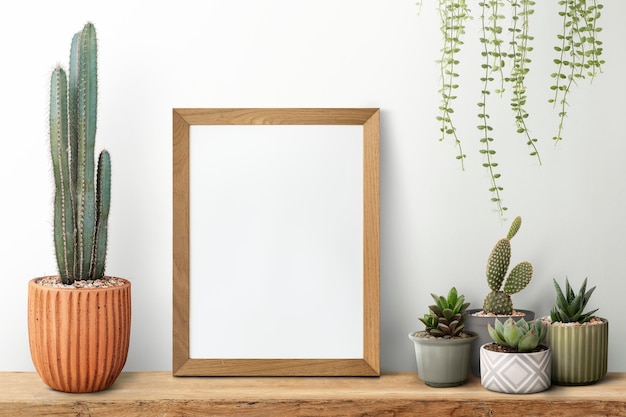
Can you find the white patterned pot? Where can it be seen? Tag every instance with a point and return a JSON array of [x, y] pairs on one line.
[[478, 324], [515, 373]]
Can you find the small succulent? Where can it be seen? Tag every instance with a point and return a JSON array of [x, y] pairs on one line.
[[520, 336], [569, 307], [498, 301], [446, 318]]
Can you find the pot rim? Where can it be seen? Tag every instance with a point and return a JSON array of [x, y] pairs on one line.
[[472, 312], [435, 340], [33, 282], [549, 322], [541, 352]]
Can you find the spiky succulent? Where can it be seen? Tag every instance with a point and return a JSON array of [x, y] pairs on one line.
[[446, 318], [520, 336], [569, 307], [498, 301]]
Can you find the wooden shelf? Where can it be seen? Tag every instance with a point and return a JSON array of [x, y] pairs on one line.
[[395, 394]]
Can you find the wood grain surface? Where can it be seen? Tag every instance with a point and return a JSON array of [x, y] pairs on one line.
[[399, 394]]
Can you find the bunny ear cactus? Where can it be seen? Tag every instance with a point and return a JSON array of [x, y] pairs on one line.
[[498, 301], [81, 206]]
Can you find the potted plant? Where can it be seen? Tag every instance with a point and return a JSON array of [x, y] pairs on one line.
[[516, 362], [578, 339], [498, 301], [442, 349], [78, 321]]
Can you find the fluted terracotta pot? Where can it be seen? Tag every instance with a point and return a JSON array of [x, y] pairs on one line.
[[79, 337], [579, 352]]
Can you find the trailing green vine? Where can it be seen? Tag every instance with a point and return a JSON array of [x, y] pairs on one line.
[[578, 51], [493, 64], [453, 15], [521, 11], [505, 64]]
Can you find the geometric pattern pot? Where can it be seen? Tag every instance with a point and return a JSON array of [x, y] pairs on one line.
[[79, 337], [442, 362], [478, 325], [515, 373], [580, 353]]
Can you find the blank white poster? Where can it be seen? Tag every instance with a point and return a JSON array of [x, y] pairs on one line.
[[276, 242]]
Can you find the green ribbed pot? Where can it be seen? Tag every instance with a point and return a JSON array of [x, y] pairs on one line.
[[579, 353]]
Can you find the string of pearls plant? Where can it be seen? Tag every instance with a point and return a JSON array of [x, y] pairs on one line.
[[505, 61]]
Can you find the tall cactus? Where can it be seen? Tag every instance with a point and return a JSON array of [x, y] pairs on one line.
[[498, 301], [81, 206]]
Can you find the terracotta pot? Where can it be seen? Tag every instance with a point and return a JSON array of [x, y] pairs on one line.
[[580, 353], [79, 337], [478, 325], [442, 362]]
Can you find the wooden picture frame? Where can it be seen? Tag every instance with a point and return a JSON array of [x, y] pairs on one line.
[[364, 363]]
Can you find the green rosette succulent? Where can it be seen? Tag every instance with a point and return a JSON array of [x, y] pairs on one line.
[[519, 336], [446, 318], [569, 306]]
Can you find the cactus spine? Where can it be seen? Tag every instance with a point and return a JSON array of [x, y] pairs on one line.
[[498, 301], [81, 207]]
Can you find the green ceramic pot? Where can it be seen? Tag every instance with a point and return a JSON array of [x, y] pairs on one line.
[[579, 353], [443, 362]]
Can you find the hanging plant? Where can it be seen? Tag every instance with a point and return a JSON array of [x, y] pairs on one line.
[[578, 51], [453, 16], [520, 55], [492, 66], [505, 60]]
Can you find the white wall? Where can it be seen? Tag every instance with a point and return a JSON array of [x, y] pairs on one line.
[[437, 225]]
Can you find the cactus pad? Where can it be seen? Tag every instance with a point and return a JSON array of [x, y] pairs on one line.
[[497, 302], [519, 278], [498, 264], [515, 225]]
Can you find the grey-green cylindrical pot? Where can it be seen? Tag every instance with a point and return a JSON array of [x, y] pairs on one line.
[[579, 353], [443, 362]]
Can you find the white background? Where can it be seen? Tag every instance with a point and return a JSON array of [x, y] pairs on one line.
[[276, 242], [437, 224]]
